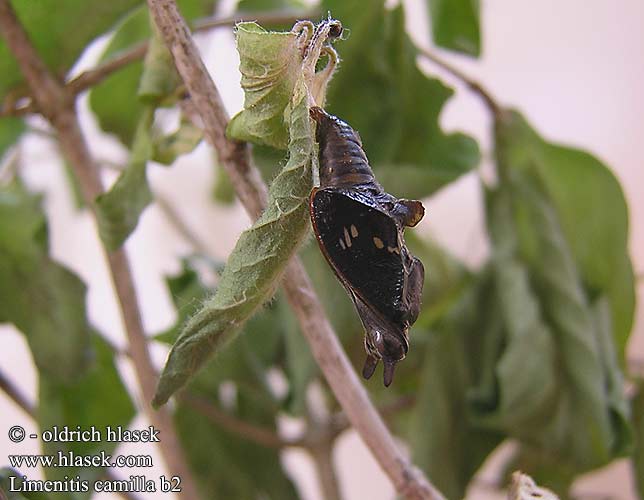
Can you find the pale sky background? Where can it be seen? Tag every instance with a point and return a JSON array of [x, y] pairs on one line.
[[574, 68]]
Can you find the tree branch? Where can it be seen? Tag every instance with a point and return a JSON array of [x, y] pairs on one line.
[[96, 75], [58, 106], [234, 156]]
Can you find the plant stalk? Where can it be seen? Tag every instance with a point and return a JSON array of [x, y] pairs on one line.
[[58, 106], [234, 157]]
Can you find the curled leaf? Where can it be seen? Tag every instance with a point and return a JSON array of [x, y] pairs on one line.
[[118, 210], [262, 252], [256, 263], [270, 66], [523, 487]]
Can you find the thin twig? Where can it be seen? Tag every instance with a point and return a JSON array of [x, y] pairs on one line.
[[180, 225], [323, 460], [263, 436], [16, 396], [58, 106], [96, 75], [251, 190], [475, 86]]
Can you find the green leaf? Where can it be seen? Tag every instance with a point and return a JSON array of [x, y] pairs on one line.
[[60, 31], [184, 140], [187, 292], [638, 424], [238, 468], [270, 66], [226, 464], [5, 486], [544, 468], [40, 297], [444, 441], [556, 383], [119, 100], [590, 207], [118, 210], [10, 131], [159, 78], [97, 399], [381, 93], [455, 25], [114, 100], [255, 265]]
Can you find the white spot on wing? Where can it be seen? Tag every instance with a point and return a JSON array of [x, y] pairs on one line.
[[347, 238]]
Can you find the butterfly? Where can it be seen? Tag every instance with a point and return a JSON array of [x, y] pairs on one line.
[[359, 228]]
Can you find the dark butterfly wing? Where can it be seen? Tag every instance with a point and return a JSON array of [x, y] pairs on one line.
[[361, 244]]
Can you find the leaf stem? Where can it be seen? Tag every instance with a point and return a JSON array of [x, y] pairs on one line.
[[57, 105], [263, 436], [180, 225], [16, 396], [251, 190], [476, 87]]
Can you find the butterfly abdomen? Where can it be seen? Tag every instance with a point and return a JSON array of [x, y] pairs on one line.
[[342, 159]]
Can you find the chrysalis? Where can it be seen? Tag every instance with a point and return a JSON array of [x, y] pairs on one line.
[[359, 228]]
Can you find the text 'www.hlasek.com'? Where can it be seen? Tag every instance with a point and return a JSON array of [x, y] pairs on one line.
[[80, 453]]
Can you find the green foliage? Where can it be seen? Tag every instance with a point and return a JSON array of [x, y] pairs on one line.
[[445, 441], [226, 464], [5, 486], [118, 210], [98, 399], [167, 148], [455, 25], [555, 379], [10, 130], [256, 263], [187, 292], [591, 210], [159, 78], [528, 350], [44, 300], [59, 31], [270, 66], [638, 424], [381, 93], [529, 347], [120, 99], [114, 101]]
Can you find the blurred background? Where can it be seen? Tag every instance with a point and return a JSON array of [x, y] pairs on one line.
[[574, 69]]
